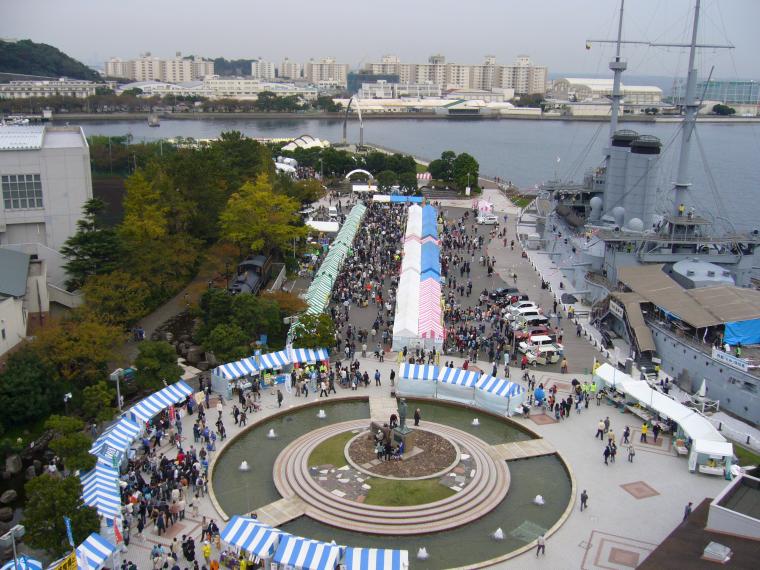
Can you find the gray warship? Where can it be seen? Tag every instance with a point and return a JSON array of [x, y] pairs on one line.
[[669, 290]]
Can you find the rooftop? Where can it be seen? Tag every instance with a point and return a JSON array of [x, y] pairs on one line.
[[36, 137]]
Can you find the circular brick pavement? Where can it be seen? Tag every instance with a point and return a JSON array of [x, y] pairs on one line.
[[488, 487]]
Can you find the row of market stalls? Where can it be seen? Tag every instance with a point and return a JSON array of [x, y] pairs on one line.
[[418, 321], [225, 376], [496, 395], [318, 294], [397, 199], [100, 485], [282, 550], [694, 434]]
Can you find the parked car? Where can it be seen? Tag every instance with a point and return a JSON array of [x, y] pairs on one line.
[[503, 292], [543, 355], [527, 332], [529, 321], [488, 220], [516, 307], [538, 341]]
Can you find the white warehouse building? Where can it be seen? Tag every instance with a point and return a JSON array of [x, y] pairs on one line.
[[45, 180], [590, 90]]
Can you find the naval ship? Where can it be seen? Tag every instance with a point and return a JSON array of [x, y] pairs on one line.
[[667, 288]]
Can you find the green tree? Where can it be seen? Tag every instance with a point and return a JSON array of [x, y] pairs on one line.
[[407, 181], [724, 110], [48, 500], [256, 315], [70, 443], [28, 390], [93, 249], [216, 308], [314, 331], [326, 103], [258, 220], [227, 342], [97, 403], [145, 215], [30, 58], [386, 180], [465, 171], [117, 298], [156, 365]]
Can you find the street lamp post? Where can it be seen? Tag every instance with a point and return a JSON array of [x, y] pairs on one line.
[[66, 398], [9, 538], [116, 377]]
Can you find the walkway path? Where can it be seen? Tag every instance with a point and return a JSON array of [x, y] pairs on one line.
[[381, 408], [521, 449], [281, 511]]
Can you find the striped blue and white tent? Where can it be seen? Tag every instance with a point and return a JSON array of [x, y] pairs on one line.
[[93, 552], [100, 489], [156, 403], [498, 394], [417, 380], [458, 377], [418, 372], [117, 439], [274, 360], [252, 536], [309, 355], [306, 554], [22, 562], [375, 559], [235, 370]]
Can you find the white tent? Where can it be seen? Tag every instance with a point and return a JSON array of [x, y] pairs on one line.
[[406, 323], [412, 257], [417, 380], [457, 385], [325, 227], [414, 223], [498, 395]]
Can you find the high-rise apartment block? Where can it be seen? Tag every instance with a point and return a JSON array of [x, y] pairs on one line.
[[326, 71], [290, 69], [522, 76], [149, 68], [261, 69]]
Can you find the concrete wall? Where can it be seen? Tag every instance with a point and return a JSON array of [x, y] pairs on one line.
[[722, 519], [689, 365], [12, 323]]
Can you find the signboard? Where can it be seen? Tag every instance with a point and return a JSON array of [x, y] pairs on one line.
[[467, 191], [729, 360], [617, 309], [68, 563]]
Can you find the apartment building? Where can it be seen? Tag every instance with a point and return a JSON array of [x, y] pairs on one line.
[[522, 76], [326, 72], [261, 69], [290, 69], [48, 88], [150, 68]]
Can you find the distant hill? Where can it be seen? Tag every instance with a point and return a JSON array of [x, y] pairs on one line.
[[29, 58]]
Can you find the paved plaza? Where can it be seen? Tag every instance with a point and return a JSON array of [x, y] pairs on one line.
[[631, 507]]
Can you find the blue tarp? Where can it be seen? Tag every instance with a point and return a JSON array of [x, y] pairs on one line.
[[429, 222], [430, 258], [412, 199], [745, 332]]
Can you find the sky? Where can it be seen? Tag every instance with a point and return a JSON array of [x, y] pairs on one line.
[[551, 32]]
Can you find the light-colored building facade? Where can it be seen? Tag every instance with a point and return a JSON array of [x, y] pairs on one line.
[[45, 180], [290, 69], [48, 88], [218, 87], [261, 69], [150, 68], [523, 76], [326, 72], [385, 90], [726, 92], [588, 90]]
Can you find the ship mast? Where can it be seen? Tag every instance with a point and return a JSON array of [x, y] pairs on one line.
[[682, 180], [617, 66]]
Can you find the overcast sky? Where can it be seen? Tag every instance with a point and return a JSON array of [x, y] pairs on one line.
[[552, 32]]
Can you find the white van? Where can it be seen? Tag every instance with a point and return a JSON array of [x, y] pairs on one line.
[[488, 220], [539, 341], [515, 308], [333, 212]]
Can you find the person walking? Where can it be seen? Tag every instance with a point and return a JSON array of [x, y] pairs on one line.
[[644, 430], [417, 416], [393, 378], [606, 424], [584, 500], [377, 377], [600, 430], [626, 435], [607, 453], [631, 453], [656, 431], [323, 389], [540, 545], [280, 398], [687, 511]]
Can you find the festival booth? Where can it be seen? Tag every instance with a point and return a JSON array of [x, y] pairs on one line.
[[22, 562], [396, 199], [93, 553], [457, 385], [414, 222], [406, 322], [498, 395], [375, 559], [429, 222], [305, 554], [430, 326], [708, 450], [309, 355], [412, 257], [159, 401], [417, 380], [100, 489], [257, 540], [115, 442], [430, 261]]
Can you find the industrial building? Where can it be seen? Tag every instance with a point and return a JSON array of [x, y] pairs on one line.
[[62, 87]]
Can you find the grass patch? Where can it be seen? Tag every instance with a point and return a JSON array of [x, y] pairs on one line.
[[420, 168], [521, 201], [746, 457], [390, 493], [330, 451]]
